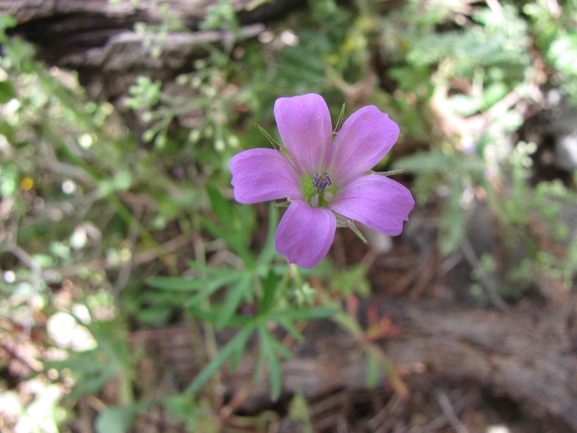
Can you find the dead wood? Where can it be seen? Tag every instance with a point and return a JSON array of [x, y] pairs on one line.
[[70, 27], [97, 38], [529, 355]]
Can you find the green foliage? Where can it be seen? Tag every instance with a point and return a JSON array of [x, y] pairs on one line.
[[299, 411], [115, 419], [92, 213], [257, 279], [221, 17], [7, 91], [235, 230], [92, 369], [454, 172], [555, 35], [144, 94], [351, 281]]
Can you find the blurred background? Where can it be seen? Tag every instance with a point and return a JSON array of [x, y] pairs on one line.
[[137, 296]]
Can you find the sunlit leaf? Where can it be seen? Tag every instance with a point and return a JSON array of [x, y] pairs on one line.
[[115, 419], [7, 91]]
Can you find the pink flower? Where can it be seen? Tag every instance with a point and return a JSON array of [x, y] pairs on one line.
[[326, 181]]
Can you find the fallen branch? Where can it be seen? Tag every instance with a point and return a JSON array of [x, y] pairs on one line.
[[527, 354]]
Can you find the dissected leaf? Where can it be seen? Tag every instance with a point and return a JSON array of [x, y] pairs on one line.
[[233, 298], [233, 346]]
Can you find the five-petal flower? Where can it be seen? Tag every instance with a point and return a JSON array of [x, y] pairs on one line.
[[323, 179]]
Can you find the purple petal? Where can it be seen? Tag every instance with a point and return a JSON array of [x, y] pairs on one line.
[[362, 142], [376, 201], [262, 175], [305, 234], [304, 123]]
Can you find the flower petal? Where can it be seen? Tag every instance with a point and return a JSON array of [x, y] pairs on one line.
[[305, 234], [361, 143], [304, 123], [262, 175], [376, 201]]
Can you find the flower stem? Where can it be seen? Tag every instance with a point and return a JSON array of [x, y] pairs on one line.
[[294, 272]]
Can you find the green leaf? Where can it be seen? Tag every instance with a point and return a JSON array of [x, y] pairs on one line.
[[233, 299], [233, 346], [352, 280], [183, 409], [115, 419], [201, 296], [239, 352], [452, 225], [268, 251], [245, 227], [299, 411], [94, 368], [275, 374], [372, 369], [6, 22], [7, 91], [494, 93], [278, 347], [191, 284], [90, 385], [202, 268], [307, 313], [257, 3], [237, 225], [259, 364], [270, 289], [214, 230], [426, 162], [269, 346], [290, 328], [213, 315], [464, 105], [221, 207]]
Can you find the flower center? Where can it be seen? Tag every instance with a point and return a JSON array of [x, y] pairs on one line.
[[321, 181], [320, 192]]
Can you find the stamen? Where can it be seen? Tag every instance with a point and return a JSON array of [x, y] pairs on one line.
[[321, 181], [315, 200]]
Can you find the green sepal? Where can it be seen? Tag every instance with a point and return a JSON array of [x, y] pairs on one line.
[[268, 136], [343, 222], [282, 204], [340, 119], [390, 172]]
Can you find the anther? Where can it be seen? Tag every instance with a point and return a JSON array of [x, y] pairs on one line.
[[321, 181]]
